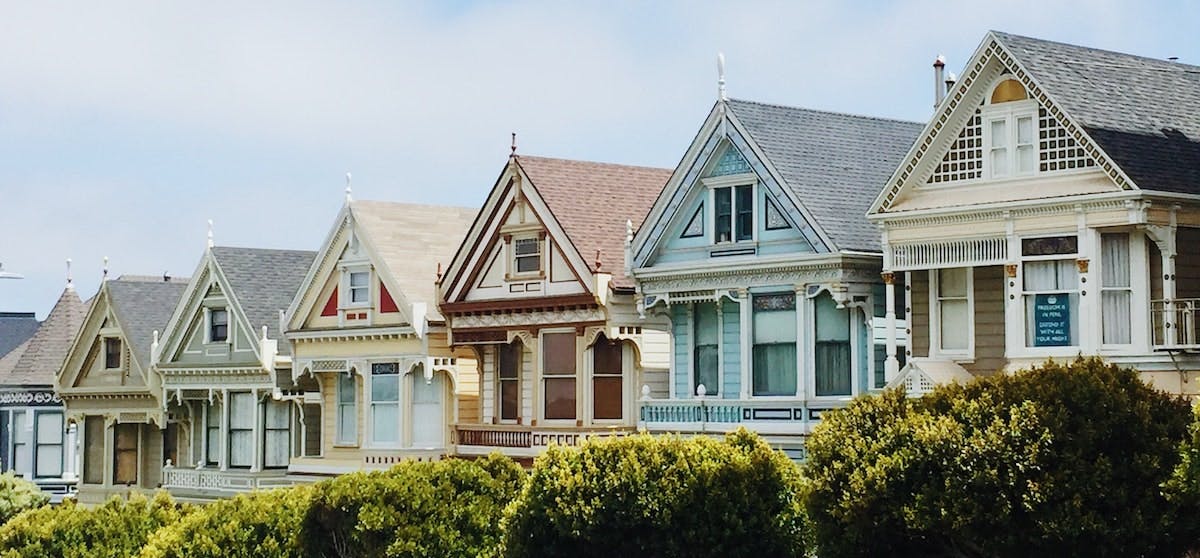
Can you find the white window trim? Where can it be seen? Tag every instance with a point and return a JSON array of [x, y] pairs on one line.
[[1016, 341], [1009, 112], [935, 321], [368, 406], [338, 441], [347, 301], [732, 182], [543, 251], [801, 341], [810, 363], [1139, 298], [627, 371], [540, 376]]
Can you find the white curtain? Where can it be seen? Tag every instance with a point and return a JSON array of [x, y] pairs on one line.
[[832, 351], [775, 349], [704, 361], [347, 414], [277, 443], [1050, 277], [241, 429], [953, 316], [49, 444], [1114, 301]]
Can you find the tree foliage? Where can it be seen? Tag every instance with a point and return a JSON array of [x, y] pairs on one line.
[[18, 495], [1055, 461], [660, 496], [116, 529], [258, 524], [449, 508]]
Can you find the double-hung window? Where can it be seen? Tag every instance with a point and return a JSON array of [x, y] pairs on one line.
[[20, 442], [774, 356], [112, 353], [242, 410], [1051, 291], [508, 378], [832, 354], [385, 403], [704, 353], [360, 288], [1116, 290], [48, 436], [347, 410], [953, 313], [1011, 130], [607, 386], [93, 450], [212, 427], [218, 325], [276, 434], [734, 214], [527, 255], [125, 453], [558, 370]]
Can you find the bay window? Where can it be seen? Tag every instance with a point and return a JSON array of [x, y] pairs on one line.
[[347, 410], [832, 352], [774, 354], [705, 359], [242, 411], [1116, 290], [508, 378], [558, 369], [276, 434], [385, 403], [607, 385], [1050, 291]]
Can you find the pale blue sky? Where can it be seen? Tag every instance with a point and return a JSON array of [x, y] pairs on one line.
[[125, 126]]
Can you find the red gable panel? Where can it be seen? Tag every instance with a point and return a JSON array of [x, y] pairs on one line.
[[331, 306], [386, 304]]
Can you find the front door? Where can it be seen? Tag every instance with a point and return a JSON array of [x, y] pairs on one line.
[[429, 420]]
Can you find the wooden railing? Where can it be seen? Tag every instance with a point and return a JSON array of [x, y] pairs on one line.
[[495, 436], [528, 437]]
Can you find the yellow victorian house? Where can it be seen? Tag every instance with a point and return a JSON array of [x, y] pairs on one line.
[[366, 333]]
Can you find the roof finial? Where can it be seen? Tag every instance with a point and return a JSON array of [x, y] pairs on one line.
[[210, 235], [348, 198], [105, 267], [439, 272], [628, 232], [721, 77], [598, 262], [70, 283], [514, 145]]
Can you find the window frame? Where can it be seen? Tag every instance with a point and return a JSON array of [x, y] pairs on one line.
[[18, 440], [500, 379], [350, 287], [212, 325], [1022, 347], [267, 430], [574, 376], [118, 451], [799, 359], [856, 323], [620, 349], [340, 405], [1010, 113], [37, 444], [935, 318], [213, 411], [120, 352], [371, 440], [734, 184], [693, 347], [97, 467], [231, 430], [537, 240]]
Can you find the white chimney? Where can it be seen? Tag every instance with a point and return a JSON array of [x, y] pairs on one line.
[[939, 81]]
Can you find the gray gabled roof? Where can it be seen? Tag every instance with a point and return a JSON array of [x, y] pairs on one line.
[[15, 329], [46, 350], [1143, 112], [143, 305], [263, 281], [834, 163]]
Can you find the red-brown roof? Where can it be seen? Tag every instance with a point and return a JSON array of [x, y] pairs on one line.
[[592, 201]]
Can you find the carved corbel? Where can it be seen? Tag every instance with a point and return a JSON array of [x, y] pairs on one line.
[[524, 335], [591, 333]]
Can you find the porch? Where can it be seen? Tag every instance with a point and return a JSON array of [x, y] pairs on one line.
[[1174, 324], [516, 440], [765, 416], [211, 483]]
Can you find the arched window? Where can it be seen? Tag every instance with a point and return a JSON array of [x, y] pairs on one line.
[[1009, 90]]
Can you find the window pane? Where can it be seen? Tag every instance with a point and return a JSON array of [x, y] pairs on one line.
[[93, 450], [279, 414], [1026, 158], [1117, 321], [1049, 246], [526, 246], [999, 133], [775, 318], [112, 353], [1025, 130], [607, 398], [49, 428], [745, 212], [954, 325], [385, 388], [558, 354], [275, 454], [999, 162], [241, 410], [560, 398], [359, 278], [723, 215], [125, 463], [510, 360], [385, 422], [832, 347], [952, 283], [1050, 275], [606, 357], [49, 461], [509, 399], [347, 424], [705, 316], [1114, 249], [241, 448], [833, 323], [528, 264], [775, 369], [705, 361], [346, 388]]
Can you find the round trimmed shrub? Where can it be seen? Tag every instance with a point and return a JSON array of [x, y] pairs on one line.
[[18, 495], [448, 508], [1060, 460], [116, 529], [660, 496], [258, 524]]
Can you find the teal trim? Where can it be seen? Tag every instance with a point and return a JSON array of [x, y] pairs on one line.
[[680, 330], [731, 162], [731, 384]]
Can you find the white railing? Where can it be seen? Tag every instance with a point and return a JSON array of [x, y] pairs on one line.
[[217, 480], [1174, 323], [766, 416], [950, 253]]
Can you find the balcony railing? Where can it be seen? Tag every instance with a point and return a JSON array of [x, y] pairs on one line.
[[1174, 323], [766, 416], [216, 480], [526, 440]]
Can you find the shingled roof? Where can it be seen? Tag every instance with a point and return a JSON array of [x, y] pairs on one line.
[[45, 351], [412, 240], [592, 201], [142, 306], [1143, 112], [15, 329], [834, 163], [264, 282]]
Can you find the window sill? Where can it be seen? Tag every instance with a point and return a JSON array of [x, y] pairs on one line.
[[345, 445]]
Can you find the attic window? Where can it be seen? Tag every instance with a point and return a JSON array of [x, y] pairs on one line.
[[360, 287], [218, 329], [1009, 90], [112, 353], [527, 255]]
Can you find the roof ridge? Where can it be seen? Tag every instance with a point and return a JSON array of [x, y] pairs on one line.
[[413, 204], [590, 162], [296, 250], [1004, 34], [829, 112]]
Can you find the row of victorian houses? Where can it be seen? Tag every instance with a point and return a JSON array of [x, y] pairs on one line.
[[793, 260]]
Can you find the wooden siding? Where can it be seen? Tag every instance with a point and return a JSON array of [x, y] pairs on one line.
[[731, 349], [680, 331], [919, 314], [989, 321]]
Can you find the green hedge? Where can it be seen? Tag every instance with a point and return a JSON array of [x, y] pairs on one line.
[[449, 508], [1061, 460], [116, 529], [18, 495], [259, 524], [660, 496]]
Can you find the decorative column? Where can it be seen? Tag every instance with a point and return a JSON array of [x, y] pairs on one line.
[[891, 367]]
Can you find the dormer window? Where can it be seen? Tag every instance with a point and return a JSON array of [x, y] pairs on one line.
[[1011, 128], [734, 213], [527, 255], [218, 328], [360, 288], [112, 353]]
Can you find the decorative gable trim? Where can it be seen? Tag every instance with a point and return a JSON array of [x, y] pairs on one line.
[[174, 335], [922, 159]]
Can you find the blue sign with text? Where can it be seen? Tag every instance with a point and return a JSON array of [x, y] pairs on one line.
[[1051, 320]]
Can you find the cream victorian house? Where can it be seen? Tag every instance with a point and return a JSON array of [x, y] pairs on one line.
[[234, 416], [110, 390], [1051, 208], [538, 290], [369, 345]]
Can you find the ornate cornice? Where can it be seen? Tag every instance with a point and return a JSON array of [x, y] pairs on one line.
[[767, 276], [524, 319]]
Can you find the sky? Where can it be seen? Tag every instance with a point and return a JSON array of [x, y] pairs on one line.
[[126, 126]]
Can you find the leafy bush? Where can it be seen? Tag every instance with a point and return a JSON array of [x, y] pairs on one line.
[[660, 496], [18, 495], [1055, 461], [259, 524], [448, 508], [116, 529]]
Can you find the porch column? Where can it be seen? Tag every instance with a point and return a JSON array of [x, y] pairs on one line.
[[224, 464], [260, 411], [747, 340], [203, 437], [803, 345], [891, 367], [1170, 317]]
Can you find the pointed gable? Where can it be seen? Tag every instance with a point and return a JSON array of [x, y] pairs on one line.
[[45, 352], [263, 283], [143, 305], [592, 202]]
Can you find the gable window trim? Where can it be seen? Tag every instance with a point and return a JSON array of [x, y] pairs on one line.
[[217, 317], [114, 353], [738, 188], [936, 299], [517, 247]]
